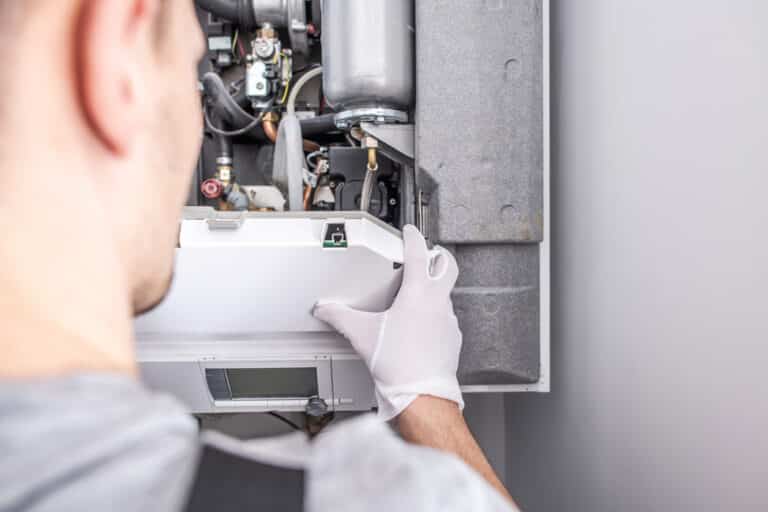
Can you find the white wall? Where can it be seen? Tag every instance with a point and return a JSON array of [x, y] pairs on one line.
[[660, 286]]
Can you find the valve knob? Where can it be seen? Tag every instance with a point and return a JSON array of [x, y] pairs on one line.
[[212, 189]]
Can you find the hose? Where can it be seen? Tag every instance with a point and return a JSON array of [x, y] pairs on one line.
[[225, 146], [224, 133], [300, 83], [230, 110], [318, 125], [226, 108], [365, 196], [238, 11]]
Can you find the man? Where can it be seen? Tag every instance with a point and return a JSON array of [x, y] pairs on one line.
[[100, 127]]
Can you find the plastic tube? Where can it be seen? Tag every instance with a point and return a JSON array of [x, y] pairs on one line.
[[300, 83]]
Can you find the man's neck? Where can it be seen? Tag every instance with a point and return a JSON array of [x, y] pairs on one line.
[[64, 307]]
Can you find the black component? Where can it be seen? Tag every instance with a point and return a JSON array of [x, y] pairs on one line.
[[335, 237], [318, 416], [347, 171], [237, 11], [217, 383], [316, 406], [257, 383], [217, 27]]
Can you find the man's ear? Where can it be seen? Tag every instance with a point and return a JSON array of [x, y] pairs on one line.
[[112, 37]]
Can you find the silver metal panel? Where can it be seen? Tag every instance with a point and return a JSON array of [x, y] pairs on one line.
[[179, 378], [352, 384], [177, 366], [368, 53], [324, 380]]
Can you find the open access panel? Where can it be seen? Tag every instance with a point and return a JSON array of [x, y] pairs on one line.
[[330, 125]]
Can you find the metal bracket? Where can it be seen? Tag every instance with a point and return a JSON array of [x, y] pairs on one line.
[[394, 138]]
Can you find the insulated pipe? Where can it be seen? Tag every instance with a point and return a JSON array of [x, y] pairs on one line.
[[318, 125]]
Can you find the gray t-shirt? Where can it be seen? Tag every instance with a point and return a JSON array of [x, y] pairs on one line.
[[104, 442]]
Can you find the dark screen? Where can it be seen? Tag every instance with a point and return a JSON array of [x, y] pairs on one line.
[[272, 382]]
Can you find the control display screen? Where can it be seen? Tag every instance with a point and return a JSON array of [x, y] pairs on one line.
[[256, 383]]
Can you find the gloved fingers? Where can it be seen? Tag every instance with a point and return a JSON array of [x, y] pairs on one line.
[[444, 268], [416, 255], [361, 328]]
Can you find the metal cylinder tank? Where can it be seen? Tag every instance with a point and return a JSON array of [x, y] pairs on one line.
[[368, 54]]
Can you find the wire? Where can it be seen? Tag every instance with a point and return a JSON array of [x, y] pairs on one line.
[[285, 420], [285, 93], [218, 131], [352, 141], [234, 41], [312, 156], [286, 62]]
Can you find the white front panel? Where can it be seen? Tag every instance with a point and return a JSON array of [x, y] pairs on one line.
[[266, 276]]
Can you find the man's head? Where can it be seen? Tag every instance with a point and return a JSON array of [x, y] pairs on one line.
[[101, 103]]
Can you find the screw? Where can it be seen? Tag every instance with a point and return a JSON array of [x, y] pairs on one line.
[[259, 85], [392, 201]]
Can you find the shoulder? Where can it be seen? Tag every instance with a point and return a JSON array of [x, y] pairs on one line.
[[96, 441]]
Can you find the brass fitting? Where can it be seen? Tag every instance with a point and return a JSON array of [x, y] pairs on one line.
[[373, 162], [267, 31], [272, 117], [372, 145]]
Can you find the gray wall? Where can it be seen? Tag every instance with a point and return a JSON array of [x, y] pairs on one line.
[[660, 286]]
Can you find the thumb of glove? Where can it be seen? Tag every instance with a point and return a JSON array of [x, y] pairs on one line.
[[361, 328]]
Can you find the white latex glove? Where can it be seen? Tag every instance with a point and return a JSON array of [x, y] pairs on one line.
[[413, 348]]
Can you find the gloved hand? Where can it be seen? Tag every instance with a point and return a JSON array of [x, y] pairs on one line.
[[413, 348]]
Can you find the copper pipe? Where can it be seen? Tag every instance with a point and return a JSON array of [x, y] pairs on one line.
[[270, 130], [307, 197]]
